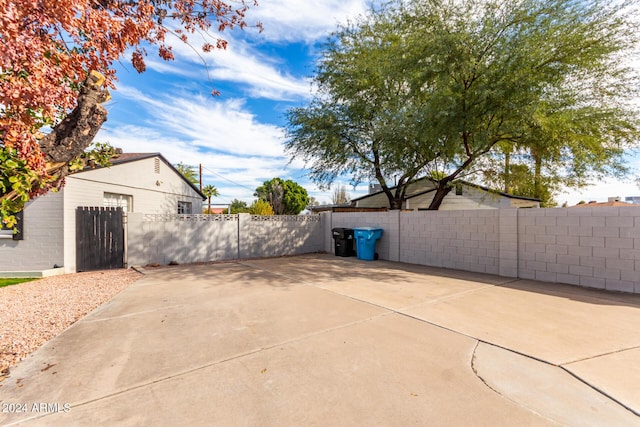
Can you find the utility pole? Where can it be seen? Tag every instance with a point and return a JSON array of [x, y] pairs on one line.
[[200, 177]]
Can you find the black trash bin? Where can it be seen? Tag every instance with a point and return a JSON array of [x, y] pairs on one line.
[[343, 241]]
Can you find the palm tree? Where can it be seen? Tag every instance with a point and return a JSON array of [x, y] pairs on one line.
[[210, 191]]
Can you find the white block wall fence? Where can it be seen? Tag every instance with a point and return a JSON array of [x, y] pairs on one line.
[[161, 239], [591, 247]]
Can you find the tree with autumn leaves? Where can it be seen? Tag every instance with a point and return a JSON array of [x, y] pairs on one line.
[[56, 69]]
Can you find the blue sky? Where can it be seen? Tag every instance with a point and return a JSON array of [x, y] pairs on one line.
[[238, 136]]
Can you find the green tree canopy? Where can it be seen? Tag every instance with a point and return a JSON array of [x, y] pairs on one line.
[[260, 207], [188, 172], [447, 88], [238, 206], [286, 197]]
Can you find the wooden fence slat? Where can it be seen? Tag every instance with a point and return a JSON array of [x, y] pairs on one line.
[[99, 238]]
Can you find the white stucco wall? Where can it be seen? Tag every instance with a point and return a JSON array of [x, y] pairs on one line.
[[42, 246], [152, 192]]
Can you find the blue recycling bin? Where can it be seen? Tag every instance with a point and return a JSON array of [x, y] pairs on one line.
[[366, 238]]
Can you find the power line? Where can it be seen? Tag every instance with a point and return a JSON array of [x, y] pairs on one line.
[[227, 179]]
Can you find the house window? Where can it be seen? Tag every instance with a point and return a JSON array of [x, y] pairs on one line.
[[8, 233], [113, 200], [184, 208]]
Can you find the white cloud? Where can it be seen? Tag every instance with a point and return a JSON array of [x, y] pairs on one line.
[[238, 153], [209, 123], [259, 75], [308, 20]]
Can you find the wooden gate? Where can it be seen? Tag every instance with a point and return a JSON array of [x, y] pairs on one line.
[[99, 238]]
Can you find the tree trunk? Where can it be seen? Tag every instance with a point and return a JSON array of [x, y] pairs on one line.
[[537, 177], [507, 175], [75, 133], [441, 193], [395, 204]]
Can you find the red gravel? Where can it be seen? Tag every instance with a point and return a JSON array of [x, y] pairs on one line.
[[33, 313]]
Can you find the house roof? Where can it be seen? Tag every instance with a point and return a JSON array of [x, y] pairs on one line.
[[487, 189], [132, 157], [604, 204]]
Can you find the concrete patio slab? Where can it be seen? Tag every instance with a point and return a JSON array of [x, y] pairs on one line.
[[548, 390], [390, 285], [317, 340], [136, 339], [617, 374], [559, 326], [390, 370]]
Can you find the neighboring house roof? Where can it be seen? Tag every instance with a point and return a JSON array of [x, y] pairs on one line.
[[343, 208], [419, 193], [604, 204], [132, 157]]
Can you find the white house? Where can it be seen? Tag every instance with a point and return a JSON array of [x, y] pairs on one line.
[[465, 195], [137, 182]]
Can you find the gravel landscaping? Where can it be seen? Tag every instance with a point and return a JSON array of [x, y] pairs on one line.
[[32, 313]]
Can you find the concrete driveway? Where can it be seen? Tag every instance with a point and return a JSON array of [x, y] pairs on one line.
[[324, 340]]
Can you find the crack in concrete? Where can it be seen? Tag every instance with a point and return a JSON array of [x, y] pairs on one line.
[[599, 355]]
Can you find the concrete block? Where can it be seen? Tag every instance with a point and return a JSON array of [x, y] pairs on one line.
[[556, 230], [630, 232], [590, 261], [526, 238], [569, 279], [630, 275], [606, 273], [592, 221], [546, 239], [607, 211], [576, 230], [581, 270], [592, 282], [580, 212], [568, 259], [493, 269], [546, 257], [487, 228], [606, 232], [606, 252], [471, 244], [477, 220], [526, 220], [557, 249], [619, 221], [580, 250], [524, 273], [568, 240], [536, 266], [597, 242], [620, 264], [619, 242], [633, 254], [546, 220], [535, 229], [546, 276], [620, 285], [558, 268], [556, 212], [534, 247], [566, 221]]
